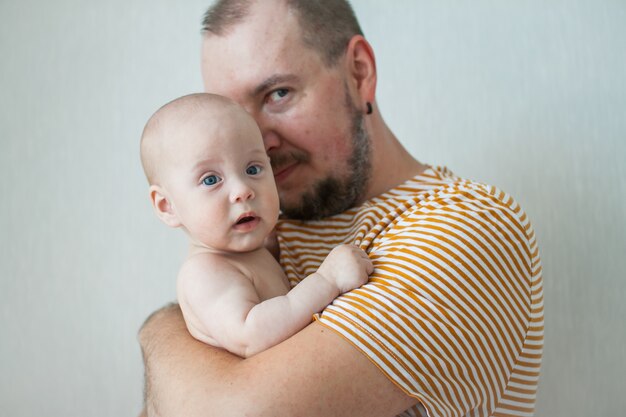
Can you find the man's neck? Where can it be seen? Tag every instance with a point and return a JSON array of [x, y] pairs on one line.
[[392, 164]]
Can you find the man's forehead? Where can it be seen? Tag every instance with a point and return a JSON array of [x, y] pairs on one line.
[[264, 45]]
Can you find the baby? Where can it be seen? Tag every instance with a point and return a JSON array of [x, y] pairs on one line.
[[209, 174]]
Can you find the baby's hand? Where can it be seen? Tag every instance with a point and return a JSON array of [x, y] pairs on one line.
[[346, 267]]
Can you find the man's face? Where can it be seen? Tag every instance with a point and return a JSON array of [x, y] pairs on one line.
[[306, 116]]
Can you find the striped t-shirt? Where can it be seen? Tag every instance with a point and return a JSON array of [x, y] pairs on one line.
[[453, 312]]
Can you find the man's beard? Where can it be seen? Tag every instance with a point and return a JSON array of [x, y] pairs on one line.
[[333, 195]]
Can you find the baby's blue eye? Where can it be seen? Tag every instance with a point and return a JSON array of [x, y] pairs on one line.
[[253, 170], [211, 179]]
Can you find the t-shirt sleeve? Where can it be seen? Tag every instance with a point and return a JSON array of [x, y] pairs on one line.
[[446, 313]]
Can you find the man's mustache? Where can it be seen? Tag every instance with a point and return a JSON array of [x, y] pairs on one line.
[[280, 160]]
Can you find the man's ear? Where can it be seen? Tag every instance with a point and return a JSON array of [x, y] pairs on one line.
[[163, 207], [362, 69]]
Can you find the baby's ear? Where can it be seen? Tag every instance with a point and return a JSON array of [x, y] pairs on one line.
[[163, 207]]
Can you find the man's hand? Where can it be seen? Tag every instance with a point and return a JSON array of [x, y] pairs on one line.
[[177, 367]]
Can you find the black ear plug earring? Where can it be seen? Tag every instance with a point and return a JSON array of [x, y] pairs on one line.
[[369, 107]]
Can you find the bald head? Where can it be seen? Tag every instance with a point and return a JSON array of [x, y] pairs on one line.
[[162, 133], [326, 26]]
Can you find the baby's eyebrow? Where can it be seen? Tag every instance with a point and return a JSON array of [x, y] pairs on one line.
[[203, 163], [259, 152]]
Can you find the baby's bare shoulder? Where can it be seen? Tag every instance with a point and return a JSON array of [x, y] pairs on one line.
[[210, 268]]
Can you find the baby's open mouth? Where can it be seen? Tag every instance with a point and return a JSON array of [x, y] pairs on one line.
[[245, 219]]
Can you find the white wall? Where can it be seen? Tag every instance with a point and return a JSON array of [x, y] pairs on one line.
[[527, 95]]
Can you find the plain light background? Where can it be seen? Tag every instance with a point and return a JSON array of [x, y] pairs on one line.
[[527, 95]]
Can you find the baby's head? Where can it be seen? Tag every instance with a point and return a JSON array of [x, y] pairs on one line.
[[209, 173]]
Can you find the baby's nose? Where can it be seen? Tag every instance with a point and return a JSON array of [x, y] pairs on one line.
[[242, 192]]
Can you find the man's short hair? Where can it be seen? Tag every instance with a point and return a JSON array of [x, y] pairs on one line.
[[327, 25]]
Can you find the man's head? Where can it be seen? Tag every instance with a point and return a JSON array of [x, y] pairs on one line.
[[209, 173], [305, 73], [326, 25]]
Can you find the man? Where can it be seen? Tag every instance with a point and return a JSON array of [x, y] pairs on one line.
[[451, 320]]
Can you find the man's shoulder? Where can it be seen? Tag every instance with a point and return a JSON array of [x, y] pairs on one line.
[[434, 183], [448, 205], [439, 189]]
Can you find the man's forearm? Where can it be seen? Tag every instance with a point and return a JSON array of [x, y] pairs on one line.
[[314, 373]]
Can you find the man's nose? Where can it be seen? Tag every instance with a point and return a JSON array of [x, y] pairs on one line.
[[271, 140], [267, 125]]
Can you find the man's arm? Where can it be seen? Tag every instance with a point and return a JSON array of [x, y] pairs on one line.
[[314, 373]]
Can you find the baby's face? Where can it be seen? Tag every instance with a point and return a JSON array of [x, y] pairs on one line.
[[220, 182]]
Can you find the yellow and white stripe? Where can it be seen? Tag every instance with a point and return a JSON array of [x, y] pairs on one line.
[[453, 313]]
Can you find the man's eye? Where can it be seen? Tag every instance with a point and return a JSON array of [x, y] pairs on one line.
[[278, 94], [254, 170], [211, 180]]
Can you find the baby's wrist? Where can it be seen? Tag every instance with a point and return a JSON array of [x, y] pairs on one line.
[[330, 283]]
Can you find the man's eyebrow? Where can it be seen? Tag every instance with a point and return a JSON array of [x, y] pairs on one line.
[[272, 82]]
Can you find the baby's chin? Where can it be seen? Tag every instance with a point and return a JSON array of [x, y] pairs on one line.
[[233, 248]]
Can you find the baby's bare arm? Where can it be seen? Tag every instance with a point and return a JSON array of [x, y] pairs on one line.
[[223, 308], [216, 298]]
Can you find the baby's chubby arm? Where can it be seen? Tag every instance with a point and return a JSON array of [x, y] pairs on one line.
[[225, 303]]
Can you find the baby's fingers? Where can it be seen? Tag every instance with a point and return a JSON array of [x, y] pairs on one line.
[[365, 259]]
